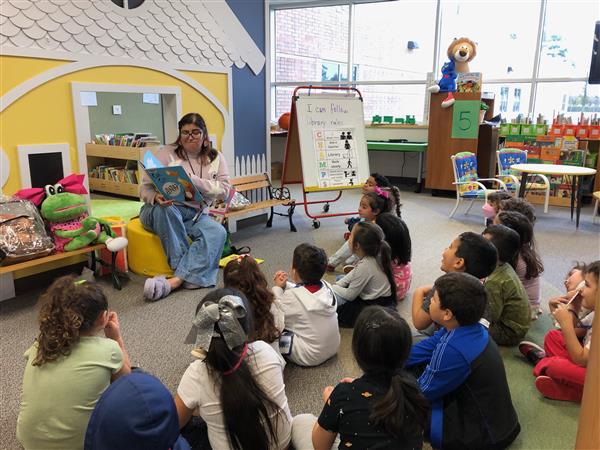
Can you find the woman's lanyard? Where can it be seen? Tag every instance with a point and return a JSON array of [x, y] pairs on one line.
[[190, 164]]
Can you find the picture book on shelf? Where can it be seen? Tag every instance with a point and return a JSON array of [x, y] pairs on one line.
[[173, 183], [468, 82]]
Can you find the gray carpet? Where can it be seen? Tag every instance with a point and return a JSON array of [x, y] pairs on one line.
[[154, 332]]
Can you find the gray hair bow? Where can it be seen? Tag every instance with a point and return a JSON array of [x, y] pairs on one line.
[[226, 314]]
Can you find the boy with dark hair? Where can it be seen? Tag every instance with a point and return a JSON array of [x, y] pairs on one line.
[[463, 377], [508, 313], [470, 253], [311, 326]]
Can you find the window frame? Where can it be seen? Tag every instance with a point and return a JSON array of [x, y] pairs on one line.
[[533, 81]]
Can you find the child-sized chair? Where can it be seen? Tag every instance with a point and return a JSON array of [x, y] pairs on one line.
[[509, 156], [468, 184]]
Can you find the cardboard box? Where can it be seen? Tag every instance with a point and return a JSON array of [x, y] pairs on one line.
[[550, 154]]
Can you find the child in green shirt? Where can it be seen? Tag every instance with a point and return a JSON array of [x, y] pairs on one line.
[[508, 307]]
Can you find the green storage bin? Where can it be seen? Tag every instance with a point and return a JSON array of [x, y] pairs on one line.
[[541, 130], [514, 128], [504, 129], [527, 129]]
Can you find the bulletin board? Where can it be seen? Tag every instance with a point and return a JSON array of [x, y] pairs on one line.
[[329, 142]]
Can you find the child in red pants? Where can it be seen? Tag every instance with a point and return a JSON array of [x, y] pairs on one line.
[[561, 365]]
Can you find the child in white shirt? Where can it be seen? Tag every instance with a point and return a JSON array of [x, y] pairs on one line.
[[309, 307]]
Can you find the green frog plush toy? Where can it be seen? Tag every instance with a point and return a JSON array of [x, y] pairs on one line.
[[66, 214]]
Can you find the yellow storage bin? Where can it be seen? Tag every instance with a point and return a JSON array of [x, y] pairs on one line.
[[145, 253]]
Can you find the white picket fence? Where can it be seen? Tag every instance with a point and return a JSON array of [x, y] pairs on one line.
[[250, 165]]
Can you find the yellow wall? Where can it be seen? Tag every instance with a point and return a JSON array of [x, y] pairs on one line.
[[45, 114]]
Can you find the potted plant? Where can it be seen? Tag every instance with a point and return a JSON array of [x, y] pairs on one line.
[[483, 107]]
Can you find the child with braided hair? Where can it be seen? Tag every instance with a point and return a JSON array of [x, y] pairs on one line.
[[68, 366]]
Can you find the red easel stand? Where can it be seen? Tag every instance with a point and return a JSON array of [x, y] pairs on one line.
[[292, 145]]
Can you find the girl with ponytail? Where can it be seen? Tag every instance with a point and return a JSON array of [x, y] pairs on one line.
[[68, 367], [371, 282], [385, 408], [236, 385]]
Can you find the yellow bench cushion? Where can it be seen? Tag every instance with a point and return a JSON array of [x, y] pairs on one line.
[[145, 253]]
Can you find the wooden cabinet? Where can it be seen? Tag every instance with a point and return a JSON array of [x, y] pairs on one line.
[[117, 157], [440, 143]]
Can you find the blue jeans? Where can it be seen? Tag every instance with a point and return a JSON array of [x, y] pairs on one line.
[[196, 262]]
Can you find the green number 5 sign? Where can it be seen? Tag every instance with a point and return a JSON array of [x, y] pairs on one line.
[[465, 119]]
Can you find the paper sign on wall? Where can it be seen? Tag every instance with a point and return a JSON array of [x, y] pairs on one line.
[[465, 119], [337, 159], [88, 99]]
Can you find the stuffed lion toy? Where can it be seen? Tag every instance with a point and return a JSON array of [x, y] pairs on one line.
[[460, 52]]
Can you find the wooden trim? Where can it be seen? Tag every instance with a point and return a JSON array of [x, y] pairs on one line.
[[115, 151], [248, 179], [46, 259], [250, 186]]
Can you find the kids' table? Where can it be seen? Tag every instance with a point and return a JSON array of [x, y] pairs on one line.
[[402, 147], [558, 170]]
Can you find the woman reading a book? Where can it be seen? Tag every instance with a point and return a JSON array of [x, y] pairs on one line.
[[195, 264]]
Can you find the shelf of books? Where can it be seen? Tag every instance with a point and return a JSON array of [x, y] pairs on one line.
[[114, 169], [547, 149]]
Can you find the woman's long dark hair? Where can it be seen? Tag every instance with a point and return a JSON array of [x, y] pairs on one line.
[[68, 310], [522, 225], [246, 407], [371, 240], [245, 275], [397, 236], [207, 153], [381, 345]]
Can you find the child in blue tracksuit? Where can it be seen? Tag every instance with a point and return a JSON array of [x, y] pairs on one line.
[[461, 371]]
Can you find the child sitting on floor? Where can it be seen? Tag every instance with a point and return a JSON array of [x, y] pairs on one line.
[[491, 207], [377, 180], [528, 264], [383, 408], [398, 238], [520, 205], [245, 275], [371, 205], [508, 313], [470, 253], [372, 281], [69, 366], [236, 385], [560, 366], [464, 377], [309, 308]]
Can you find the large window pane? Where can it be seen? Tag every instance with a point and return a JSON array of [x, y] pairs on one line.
[[505, 33], [394, 40], [393, 100], [567, 38], [570, 99], [283, 101], [510, 99], [309, 42]]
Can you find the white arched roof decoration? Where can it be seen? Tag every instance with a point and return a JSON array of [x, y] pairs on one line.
[[174, 32]]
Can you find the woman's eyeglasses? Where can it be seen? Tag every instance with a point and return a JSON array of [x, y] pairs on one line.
[[194, 133]]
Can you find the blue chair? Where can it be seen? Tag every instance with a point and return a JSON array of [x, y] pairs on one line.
[[509, 156], [467, 182]]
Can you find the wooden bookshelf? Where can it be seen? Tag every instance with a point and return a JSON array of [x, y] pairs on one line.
[[113, 155]]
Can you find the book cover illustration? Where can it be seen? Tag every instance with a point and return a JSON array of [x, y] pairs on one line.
[[468, 82], [174, 184]]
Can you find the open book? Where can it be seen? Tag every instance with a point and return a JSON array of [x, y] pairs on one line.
[[173, 183]]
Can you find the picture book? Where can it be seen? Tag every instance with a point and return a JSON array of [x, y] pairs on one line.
[[468, 82], [174, 183]]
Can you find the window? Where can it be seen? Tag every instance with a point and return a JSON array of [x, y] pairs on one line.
[[393, 47], [570, 99], [567, 38], [503, 32], [306, 37], [394, 40], [335, 71]]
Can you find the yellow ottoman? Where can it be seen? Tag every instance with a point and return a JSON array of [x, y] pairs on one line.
[[145, 254]]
